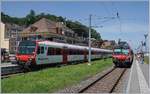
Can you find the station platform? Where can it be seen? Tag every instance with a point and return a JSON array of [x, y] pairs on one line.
[[8, 68], [7, 65], [138, 81]]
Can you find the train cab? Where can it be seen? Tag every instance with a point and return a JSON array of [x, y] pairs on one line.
[[26, 52], [122, 57]]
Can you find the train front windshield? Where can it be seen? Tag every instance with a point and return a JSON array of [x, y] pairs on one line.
[[126, 52], [26, 47], [120, 52]]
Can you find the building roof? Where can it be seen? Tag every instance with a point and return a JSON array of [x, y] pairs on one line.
[[43, 25], [12, 26]]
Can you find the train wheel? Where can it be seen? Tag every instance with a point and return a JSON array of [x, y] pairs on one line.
[[116, 65], [26, 67], [129, 66]]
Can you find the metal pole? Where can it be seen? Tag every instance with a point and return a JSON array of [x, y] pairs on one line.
[[145, 35], [16, 40], [141, 46], [89, 59]]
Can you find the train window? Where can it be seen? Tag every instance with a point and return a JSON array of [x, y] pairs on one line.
[[80, 52], [50, 51], [73, 52], [76, 52], [40, 50], [92, 52], [70, 52], [53, 51], [58, 51]]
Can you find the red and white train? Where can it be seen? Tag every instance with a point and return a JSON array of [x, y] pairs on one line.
[[47, 52]]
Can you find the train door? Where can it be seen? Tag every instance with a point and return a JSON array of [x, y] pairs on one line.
[[41, 57], [64, 52]]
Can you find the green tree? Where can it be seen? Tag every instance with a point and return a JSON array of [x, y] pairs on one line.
[[95, 34], [30, 18]]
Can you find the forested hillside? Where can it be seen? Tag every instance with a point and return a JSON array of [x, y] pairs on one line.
[[32, 17]]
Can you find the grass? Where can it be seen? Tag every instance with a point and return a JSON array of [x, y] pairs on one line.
[[146, 59], [52, 79]]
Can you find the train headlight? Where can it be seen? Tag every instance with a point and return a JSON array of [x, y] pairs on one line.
[[30, 59], [17, 59]]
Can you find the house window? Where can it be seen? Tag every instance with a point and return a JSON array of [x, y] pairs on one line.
[[6, 34]]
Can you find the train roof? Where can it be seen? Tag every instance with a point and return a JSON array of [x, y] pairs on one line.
[[69, 46]]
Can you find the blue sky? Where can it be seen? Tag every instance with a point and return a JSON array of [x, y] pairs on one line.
[[133, 16]]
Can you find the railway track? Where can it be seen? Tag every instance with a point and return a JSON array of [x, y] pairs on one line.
[[10, 75], [106, 83], [7, 71]]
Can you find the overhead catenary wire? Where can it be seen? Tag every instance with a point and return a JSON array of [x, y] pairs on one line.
[[101, 20], [106, 9], [101, 23], [119, 20], [114, 9]]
